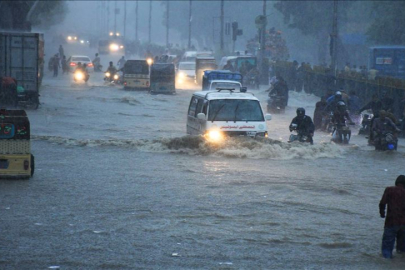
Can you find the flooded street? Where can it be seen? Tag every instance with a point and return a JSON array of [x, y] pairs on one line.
[[119, 185]]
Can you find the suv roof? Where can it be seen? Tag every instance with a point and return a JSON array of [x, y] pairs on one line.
[[224, 94]]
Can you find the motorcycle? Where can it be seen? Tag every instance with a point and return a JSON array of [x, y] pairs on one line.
[[299, 136], [275, 104], [341, 133], [251, 81], [385, 141], [80, 76], [113, 78], [365, 124], [327, 124]]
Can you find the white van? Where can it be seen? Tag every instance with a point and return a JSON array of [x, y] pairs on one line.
[[216, 114]]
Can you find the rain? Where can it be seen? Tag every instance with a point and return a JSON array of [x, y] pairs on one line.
[[202, 134]]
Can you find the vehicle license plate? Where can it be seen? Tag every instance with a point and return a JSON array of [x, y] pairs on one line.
[[251, 133]]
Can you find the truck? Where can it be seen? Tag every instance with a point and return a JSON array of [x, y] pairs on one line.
[[388, 61], [22, 58]]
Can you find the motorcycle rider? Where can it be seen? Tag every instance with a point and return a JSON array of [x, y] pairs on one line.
[[375, 105], [121, 62], [79, 67], [383, 124], [280, 89], [96, 63], [333, 101], [86, 72], [339, 118], [319, 112], [111, 69], [303, 124]]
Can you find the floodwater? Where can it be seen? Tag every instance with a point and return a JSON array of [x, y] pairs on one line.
[[119, 185]]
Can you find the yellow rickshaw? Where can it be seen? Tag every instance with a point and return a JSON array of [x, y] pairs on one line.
[[136, 74], [16, 160]]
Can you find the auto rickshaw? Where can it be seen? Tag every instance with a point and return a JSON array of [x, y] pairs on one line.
[[16, 160], [136, 74], [162, 78], [211, 75]]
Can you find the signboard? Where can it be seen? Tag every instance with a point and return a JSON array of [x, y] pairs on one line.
[[261, 21], [383, 61]]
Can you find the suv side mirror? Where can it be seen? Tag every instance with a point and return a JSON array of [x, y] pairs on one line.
[[268, 116], [201, 116], [243, 89]]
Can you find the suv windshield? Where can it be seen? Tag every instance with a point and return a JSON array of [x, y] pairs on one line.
[[235, 110]]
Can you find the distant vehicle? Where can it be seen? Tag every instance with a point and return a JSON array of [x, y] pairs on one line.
[[388, 60], [203, 63], [215, 84], [75, 59], [16, 160], [189, 56], [162, 79], [185, 72], [114, 44], [221, 113], [72, 38], [211, 75], [136, 74], [224, 61], [22, 58]]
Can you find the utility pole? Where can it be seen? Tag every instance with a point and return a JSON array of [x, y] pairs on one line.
[[115, 17], [150, 22], [263, 44], [136, 20], [334, 37], [189, 24], [222, 27], [167, 23], [125, 19], [108, 17]]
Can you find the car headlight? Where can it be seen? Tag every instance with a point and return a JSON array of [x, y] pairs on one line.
[[79, 76], [114, 47], [116, 77], [214, 135], [182, 75], [108, 74]]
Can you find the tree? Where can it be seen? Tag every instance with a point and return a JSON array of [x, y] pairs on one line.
[[13, 14], [387, 27], [313, 18]]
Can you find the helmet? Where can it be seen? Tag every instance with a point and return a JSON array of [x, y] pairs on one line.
[[111, 63], [79, 64], [300, 112], [85, 65], [341, 106]]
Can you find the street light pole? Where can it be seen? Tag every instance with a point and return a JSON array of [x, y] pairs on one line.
[[222, 27], [189, 24], [334, 37], [167, 23], [263, 43], [115, 17], [125, 19], [136, 20], [150, 22]]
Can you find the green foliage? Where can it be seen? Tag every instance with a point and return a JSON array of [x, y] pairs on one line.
[[48, 13], [388, 24]]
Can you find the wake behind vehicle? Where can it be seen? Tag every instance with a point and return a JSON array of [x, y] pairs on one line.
[[162, 79], [136, 74], [16, 160], [222, 113], [212, 75]]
